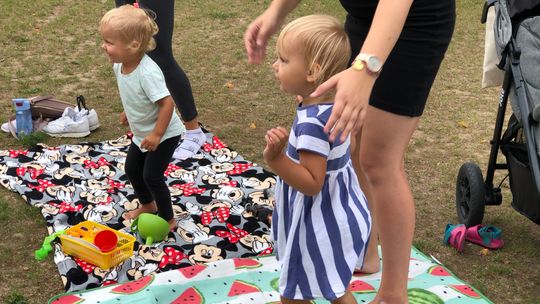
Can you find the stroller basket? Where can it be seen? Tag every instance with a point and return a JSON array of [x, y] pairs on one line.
[[525, 197]]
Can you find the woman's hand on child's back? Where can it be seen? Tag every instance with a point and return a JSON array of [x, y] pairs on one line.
[[276, 140], [353, 89], [151, 142]]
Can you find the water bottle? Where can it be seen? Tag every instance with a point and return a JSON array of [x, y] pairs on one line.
[[23, 116]]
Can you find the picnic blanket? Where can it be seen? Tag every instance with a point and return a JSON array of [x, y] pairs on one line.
[[212, 193], [254, 280], [220, 253]]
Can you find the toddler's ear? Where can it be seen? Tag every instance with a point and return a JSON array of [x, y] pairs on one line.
[[135, 45], [314, 73]]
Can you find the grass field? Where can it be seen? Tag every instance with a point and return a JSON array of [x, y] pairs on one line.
[[52, 46]]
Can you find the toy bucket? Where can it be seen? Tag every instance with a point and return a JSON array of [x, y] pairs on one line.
[[151, 227]]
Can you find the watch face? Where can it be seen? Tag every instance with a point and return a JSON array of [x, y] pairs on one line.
[[374, 64]]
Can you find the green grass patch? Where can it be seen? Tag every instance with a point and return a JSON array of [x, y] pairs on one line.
[[16, 298], [53, 47]]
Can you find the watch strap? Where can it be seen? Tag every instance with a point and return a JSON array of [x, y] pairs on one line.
[[364, 57]]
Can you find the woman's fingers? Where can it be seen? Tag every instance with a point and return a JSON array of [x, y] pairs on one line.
[[250, 43], [340, 119], [350, 126], [350, 103], [256, 38], [326, 86]]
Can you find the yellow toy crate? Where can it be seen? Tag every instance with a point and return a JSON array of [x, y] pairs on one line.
[[78, 241]]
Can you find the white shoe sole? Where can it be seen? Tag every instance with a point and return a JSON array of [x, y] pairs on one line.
[[5, 126], [80, 134], [93, 127]]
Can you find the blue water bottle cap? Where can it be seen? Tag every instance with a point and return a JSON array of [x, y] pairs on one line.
[[21, 103], [23, 116]]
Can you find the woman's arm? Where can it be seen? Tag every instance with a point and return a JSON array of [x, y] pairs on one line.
[[264, 26], [386, 27], [353, 87]]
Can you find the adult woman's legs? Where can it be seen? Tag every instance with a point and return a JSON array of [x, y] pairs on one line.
[[371, 262], [385, 137], [176, 78]]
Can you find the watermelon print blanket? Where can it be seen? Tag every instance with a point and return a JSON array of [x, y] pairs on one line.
[[254, 280], [213, 197]]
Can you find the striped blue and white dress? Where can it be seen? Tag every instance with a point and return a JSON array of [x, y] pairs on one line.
[[319, 239]]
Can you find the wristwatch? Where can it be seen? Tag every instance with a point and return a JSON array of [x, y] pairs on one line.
[[371, 62]]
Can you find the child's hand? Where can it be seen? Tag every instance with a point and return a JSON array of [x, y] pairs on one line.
[[276, 140], [151, 142], [123, 118]]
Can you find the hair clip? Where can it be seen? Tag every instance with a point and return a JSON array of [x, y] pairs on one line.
[[136, 4], [150, 13]]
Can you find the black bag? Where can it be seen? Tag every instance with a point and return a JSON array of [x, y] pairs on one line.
[[525, 197]]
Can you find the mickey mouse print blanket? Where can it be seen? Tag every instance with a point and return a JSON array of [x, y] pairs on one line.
[[213, 194]]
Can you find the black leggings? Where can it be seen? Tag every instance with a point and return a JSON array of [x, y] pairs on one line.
[[145, 173], [176, 79]]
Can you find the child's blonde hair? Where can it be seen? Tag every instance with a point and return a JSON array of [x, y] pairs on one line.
[[133, 24], [324, 42]]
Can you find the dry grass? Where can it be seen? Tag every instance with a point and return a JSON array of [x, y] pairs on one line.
[[51, 46]]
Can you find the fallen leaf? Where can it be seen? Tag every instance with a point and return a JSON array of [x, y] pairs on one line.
[[229, 85], [252, 126], [463, 124], [485, 252]]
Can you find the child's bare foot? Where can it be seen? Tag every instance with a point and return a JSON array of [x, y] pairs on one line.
[[372, 264], [372, 261], [172, 224], [368, 269], [144, 208]]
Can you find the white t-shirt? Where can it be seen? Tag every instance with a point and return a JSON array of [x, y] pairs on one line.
[[139, 90]]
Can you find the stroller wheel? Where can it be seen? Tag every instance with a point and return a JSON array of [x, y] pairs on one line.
[[470, 195]]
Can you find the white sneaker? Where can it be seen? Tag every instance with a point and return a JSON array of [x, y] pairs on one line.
[[67, 116], [5, 126], [91, 115], [190, 144], [69, 125]]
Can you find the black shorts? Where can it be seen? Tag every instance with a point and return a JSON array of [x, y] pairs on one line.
[[408, 74]]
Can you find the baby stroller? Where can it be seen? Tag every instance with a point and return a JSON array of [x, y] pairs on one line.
[[517, 40]]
